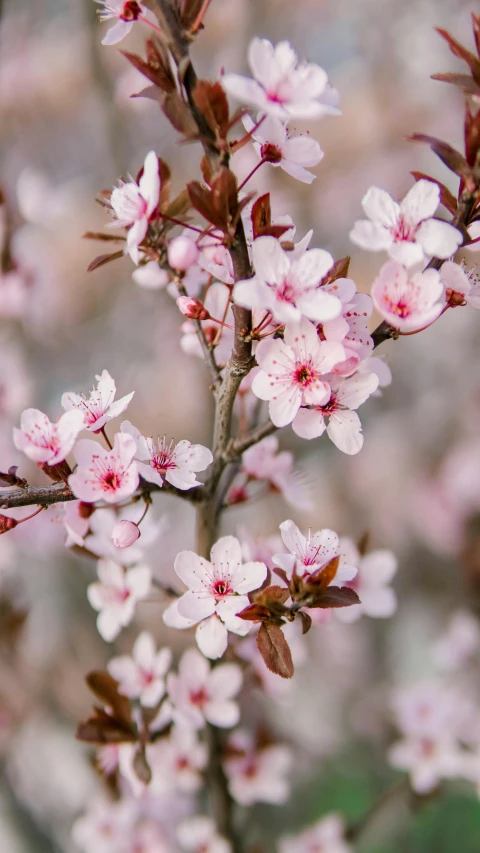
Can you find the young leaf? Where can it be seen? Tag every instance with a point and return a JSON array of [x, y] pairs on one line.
[[448, 155], [335, 596], [104, 259], [275, 650]]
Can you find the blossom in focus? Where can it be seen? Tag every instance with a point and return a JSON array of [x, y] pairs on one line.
[[125, 533], [283, 86], [217, 591], [134, 204], [200, 694], [407, 303], [407, 231], [176, 463], [199, 834], [311, 553], [375, 571], [459, 643], [109, 475], [99, 407], [293, 371], [288, 288], [257, 775], [460, 285], [124, 12], [273, 143], [325, 836], [142, 676], [344, 427], [115, 595], [350, 328], [263, 461], [44, 441]]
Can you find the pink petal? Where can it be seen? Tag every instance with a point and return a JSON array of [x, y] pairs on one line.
[[345, 430], [439, 239], [212, 637], [380, 207], [309, 423], [196, 606], [421, 201]]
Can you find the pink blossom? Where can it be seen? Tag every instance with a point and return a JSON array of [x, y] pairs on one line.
[[309, 554], [407, 303], [217, 304], [325, 836], [109, 475], [102, 524], [44, 441], [177, 762], [288, 287], [459, 643], [134, 204], [283, 86], [344, 427], [115, 595], [76, 523], [125, 12], [460, 285], [217, 591], [257, 775], [99, 407], [192, 308], [375, 571], [200, 694], [142, 676], [215, 258], [177, 463], [350, 328], [105, 827], [377, 365], [125, 533], [151, 276], [273, 143], [263, 461], [199, 834], [14, 293], [293, 371], [407, 231], [182, 253]]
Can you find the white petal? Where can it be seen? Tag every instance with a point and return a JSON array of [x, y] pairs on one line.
[[309, 423], [284, 408], [439, 239], [212, 637], [370, 235], [193, 570], [380, 207], [223, 714], [226, 556], [421, 201], [225, 681], [345, 430], [117, 32], [196, 606]]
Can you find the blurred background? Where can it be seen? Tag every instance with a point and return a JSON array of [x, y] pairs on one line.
[[69, 128]]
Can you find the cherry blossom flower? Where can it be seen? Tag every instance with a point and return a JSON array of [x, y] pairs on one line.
[[125, 533], [199, 834], [104, 827], [217, 304], [182, 253], [102, 525], [200, 694], [263, 461], [176, 761], [460, 285], [134, 205], [407, 231], [142, 676], [293, 371], [44, 441], [125, 12], [309, 554], [76, 521], [151, 276], [288, 288], [407, 302], [215, 258], [115, 595], [373, 364], [325, 836], [217, 592], [375, 571], [273, 143], [109, 475], [283, 86], [99, 407], [344, 427], [351, 327], [459, 643], [257, 775], [176, 463]]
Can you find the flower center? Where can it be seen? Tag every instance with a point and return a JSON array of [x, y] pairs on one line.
[[303, 375], [270, 153], [164, 459], [403, 230], [199, 697], [131, 11]]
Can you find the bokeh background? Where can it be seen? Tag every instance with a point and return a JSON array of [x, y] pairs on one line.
[[68, 128]]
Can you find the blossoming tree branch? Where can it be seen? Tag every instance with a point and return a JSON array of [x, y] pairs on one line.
[[281, 326]]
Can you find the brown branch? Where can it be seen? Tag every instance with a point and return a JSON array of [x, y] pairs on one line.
[[217, 784], [237, 446]]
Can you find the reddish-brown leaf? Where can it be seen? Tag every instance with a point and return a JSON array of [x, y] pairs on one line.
[[261, 215], [476, 31], [281, 573], [464, 82], [275, 650], [306, 620], [104, 729], [107, 238], [104, 259], [453, 159], [211, 100], [106, 689], [273, 593], [255, 613], [141, 767], [459, 50], [156, 68], [201, 199], [472, 135], [323, 577], [335, 596], [339, 270], [446, 197], [178, 114]]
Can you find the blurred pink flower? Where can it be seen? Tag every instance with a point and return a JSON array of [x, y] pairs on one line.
[[257, 775], [151, 276], [134, 204], [288, 287], [99, 407], [407, 230], [263, 461], [217, 592], [325, 836], [283, 86], [215, 258], [200, 694], [351, 327], [125, 533], [142, 676], [459, 642], [182, 253], [272, 142], [105, 827], [308, 554], [177, 463], [125, 12], [375, 571], [115, 595], [44, 441], [344, 427], [407, 303], [198, 834], [109, 475], [293, 371]]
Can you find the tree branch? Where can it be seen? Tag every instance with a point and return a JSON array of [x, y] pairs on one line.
[[237, 446]]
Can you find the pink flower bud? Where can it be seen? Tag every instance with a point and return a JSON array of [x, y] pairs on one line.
[[125, 533], [182, 253], [7, 523], [192, 308]]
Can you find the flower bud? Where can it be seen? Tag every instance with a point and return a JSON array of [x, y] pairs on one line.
[[192, 308], [85, 510], [125, 533], [7, 523], [182, 253]]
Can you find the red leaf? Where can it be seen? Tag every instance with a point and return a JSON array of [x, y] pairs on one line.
[[453, 159], [106, 689], [211, 100], [336, 596], [157, 66], [323, 577], [98, 235], [275, 650], [306, 620], [104, 259], [464, 82], [462, 52]]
